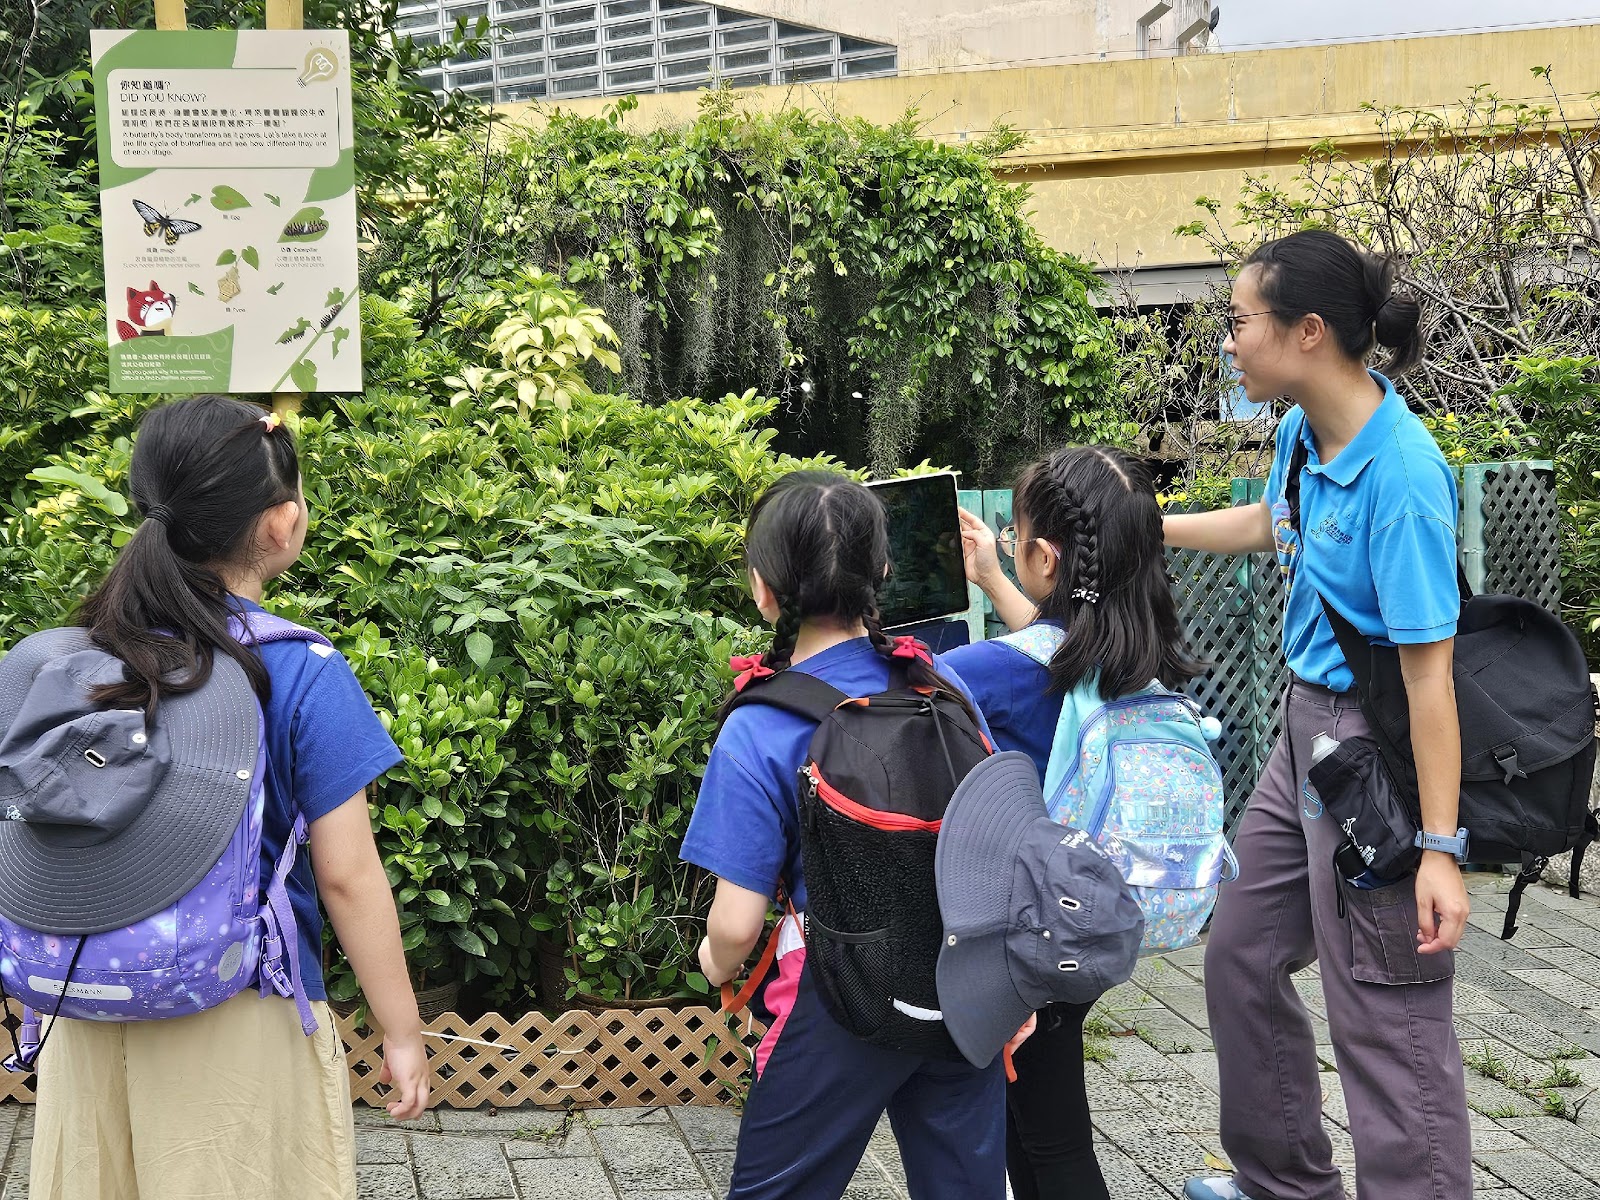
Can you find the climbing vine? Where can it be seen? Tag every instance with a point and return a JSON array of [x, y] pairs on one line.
[[888, 288]]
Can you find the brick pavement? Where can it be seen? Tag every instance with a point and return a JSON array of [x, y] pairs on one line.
[[1528, 1015]]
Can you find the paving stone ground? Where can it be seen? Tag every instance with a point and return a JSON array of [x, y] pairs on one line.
[[1528, 1014]]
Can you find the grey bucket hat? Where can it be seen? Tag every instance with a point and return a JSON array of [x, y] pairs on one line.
[[1034, 912], [103, 822]]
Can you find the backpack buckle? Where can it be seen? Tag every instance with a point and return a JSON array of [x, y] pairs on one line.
[[1506, 759]]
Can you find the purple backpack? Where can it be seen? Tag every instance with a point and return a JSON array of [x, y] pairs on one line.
[[219, 937]]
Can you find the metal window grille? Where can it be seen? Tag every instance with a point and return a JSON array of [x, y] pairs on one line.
[[651, 45]]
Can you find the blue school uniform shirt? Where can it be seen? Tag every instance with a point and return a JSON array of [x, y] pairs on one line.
[[1377, 538], [324, 744], [746, 822], [1012, 691]]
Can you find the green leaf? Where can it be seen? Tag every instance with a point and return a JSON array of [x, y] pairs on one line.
[[480, 647], [252, 258], [89, 486], [226, 257], [466, 940]]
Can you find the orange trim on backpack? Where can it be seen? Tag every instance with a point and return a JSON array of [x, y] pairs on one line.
[[872, 817]]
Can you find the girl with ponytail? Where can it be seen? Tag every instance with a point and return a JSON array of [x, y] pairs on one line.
[[235, 1101], [1087, 544], [817, 550], [1360, 509]]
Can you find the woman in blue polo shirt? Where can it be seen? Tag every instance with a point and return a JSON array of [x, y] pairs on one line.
[[1376, 539]]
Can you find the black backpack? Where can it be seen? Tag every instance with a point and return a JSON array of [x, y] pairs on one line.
[[879, 773], [1527, 708]]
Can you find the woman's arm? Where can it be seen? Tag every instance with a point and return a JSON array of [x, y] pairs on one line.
[[355, 891], [1222, 531], [1442, 903], [737, 918], [982, 561]]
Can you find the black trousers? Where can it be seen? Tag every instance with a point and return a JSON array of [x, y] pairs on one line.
[[1049, 1139]]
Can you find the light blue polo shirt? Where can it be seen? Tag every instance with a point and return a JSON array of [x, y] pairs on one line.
[[1378, 539]]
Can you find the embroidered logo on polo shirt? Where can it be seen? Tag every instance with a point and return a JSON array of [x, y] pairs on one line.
[[1330, 528]]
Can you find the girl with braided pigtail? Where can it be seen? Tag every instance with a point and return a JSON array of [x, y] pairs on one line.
[[1089, 556], [817, 550]]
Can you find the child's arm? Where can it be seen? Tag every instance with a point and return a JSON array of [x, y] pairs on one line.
[[982, 563], [1222, 531], [355, 891], [737, 918]]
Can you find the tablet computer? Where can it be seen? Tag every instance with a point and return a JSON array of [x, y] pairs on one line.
[[927, 581]]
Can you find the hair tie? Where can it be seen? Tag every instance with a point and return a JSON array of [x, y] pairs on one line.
[[271, 420], [160, 514], [909, 647], [1088, 595], [749, 668]]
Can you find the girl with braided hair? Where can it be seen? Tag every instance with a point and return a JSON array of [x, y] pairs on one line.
[[1087, 544], [817, 549]]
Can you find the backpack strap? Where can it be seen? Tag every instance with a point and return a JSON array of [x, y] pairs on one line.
[[794, 692], [1040, 641], [280, 944], [733, 1004]]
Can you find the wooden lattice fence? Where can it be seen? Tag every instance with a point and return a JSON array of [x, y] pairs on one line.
[[580, 1059]]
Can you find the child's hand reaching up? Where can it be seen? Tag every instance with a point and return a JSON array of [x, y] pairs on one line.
[[978, 551]]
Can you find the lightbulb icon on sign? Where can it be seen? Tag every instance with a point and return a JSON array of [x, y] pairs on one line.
[[320, 65]]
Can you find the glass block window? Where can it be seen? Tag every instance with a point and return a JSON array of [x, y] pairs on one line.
[[746, 59], [641, 52], [650, 46], [686, 45]]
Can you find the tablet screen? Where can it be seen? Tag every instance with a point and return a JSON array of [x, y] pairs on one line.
[[927, 580]]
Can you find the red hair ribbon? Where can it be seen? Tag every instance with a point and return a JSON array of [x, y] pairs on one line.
[[909, 647], [749, 668]]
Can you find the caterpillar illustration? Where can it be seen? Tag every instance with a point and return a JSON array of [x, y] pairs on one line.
[[304, 228], [331, 315]]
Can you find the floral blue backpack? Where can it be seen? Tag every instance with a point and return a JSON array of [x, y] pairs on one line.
[[1137, 774]]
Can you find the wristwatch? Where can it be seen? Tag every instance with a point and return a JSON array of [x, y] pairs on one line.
[[1456, 846]]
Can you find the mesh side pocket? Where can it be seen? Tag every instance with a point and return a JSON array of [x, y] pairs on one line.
[[850, 917], [855, 972]]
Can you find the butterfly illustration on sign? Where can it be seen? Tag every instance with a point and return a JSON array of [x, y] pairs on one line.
[[171, 228]]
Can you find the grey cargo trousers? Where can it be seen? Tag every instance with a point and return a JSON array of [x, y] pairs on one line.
[[1388, 1007]]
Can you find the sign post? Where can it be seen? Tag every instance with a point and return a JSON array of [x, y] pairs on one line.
[[228, 207]]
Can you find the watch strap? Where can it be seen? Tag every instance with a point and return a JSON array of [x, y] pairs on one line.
[[1456, 846]]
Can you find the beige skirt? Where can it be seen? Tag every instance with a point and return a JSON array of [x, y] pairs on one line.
[[232, 1104]]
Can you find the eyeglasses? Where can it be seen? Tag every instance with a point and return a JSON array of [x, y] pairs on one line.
[[1233, 319], [1010, 542]]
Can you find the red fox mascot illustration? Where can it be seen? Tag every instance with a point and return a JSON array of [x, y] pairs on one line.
[[149, 313]]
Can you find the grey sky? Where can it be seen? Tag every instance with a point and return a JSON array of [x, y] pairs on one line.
[[1248, 23]]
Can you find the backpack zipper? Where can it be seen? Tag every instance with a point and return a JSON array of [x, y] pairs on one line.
[[846, 807]]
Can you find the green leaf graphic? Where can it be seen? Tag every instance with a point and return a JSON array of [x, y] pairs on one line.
[[226, 257], [250, 256], [304, 374], [226, 199], [339, 335]]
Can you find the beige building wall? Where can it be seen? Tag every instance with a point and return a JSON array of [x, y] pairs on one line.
[[1119, 150], [936, 35]]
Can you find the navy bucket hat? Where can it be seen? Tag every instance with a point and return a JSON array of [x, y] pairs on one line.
[[1034, 912]]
